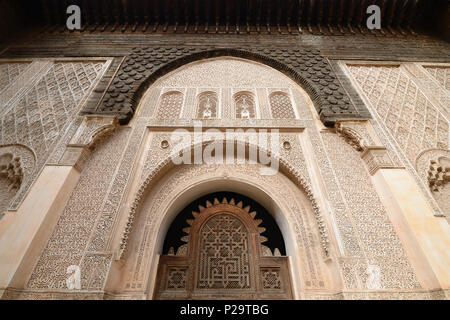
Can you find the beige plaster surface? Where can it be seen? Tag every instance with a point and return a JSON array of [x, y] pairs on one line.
[[426, 237]]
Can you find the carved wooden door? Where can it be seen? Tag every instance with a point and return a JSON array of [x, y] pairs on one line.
[[223, 258]]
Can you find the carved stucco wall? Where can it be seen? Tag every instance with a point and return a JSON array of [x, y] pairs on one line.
[[224, 79], [377, 243], [411, 105], [9, 72], [224, 72], [69, 242], [361, 233], [40, 101], [441, 74], [281, 106], [170, 106]]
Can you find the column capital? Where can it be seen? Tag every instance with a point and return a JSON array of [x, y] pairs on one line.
[[75, 156], [92, 129], [376, 158]]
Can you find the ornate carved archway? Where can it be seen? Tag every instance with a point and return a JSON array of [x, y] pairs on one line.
[[167, 164], [223, 258]]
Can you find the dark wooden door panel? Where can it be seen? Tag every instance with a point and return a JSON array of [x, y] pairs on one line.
[[223, 260]]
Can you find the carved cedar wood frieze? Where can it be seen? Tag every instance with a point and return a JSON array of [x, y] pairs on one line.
[[281, 17], [306, 66]]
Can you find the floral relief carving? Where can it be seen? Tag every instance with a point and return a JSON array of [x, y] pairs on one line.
[[378, 241], [106, 221], [68, 243], [441, 74], [433, 80], [319, 81], [88, 222], [439, 174], [17, 164], [351, 136], [375, 157]]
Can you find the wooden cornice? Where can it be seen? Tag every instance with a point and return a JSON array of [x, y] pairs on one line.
[[333, 17]]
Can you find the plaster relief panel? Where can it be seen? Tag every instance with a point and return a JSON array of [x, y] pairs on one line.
[[407, 102], [41, 117], [223, 72], [225, 88], [281, 106], [9, 72], [68, 243], [17, 164], [377, 238], [414, 122], [441, 74], [170, 105]]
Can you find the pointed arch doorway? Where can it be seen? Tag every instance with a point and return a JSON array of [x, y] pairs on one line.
[[225, 252]]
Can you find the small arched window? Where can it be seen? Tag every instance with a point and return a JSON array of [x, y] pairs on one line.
[[281, 106], [170, 106], [244, 105], [208, 104]]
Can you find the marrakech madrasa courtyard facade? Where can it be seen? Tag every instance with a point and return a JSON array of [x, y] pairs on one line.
[[225, 149]]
